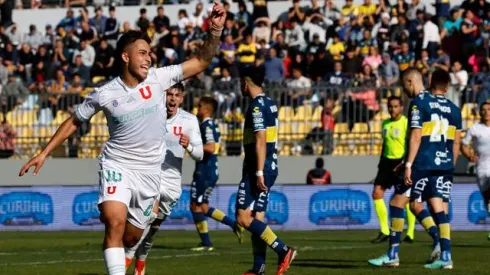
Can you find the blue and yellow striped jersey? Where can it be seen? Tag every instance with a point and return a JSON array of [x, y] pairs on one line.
[[439, 120], [261, 116], [209, 134]]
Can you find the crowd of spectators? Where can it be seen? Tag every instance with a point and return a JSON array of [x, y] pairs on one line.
[[321, 53]]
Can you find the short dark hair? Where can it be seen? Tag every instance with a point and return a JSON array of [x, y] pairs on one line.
[[439, 80], [256, 74], [179, 86], [142, 11], [160, 8], [394, 97], [484, 104], [129, 38], [319, 163], [210, 102]]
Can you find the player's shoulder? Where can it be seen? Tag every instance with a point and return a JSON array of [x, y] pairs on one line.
[[184, 115], [106, 86]]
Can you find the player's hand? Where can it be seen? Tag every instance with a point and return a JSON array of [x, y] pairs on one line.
[[184, 140], [218, 16], [407, 178], [37, 162], [261, 183]]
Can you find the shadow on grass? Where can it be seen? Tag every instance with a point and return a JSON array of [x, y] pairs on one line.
[[326, 265]]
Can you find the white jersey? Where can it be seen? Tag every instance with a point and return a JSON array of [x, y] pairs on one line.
[[480, 135], [182, 123], [136, 118]]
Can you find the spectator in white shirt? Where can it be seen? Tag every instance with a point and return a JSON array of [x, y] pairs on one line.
[[87, 52], [198, 16], [33, 38], [459, 80], [300, 87], [262, 30], [432, 39], [14, 34], [183, 21], [296, 38]]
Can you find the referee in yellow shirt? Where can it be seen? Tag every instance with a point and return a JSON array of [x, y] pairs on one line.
[[394, 134]]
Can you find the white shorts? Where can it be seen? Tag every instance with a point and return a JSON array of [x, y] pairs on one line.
[[169, 196], [137, 190], [483, 183]]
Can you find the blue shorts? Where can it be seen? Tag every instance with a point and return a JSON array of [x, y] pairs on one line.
[[250, 196], [202, 188], [431, 184]]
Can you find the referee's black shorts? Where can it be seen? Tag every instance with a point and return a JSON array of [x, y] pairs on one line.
[[386, 177]]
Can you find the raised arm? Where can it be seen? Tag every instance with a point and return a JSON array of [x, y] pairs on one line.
[[209, 48]]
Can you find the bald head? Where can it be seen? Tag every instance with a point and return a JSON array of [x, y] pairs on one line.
[[412, 82]]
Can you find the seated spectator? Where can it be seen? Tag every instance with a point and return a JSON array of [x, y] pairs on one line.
[[459, 80], [39, 74], [80, 68], [299, 89], [406, 58], [69, 21], [314, 26], [442, 61], [330, 12], [274, 67], [143, 24], [10, 57], [243, 17], [98, 22], [366, 44], [296, 37], [7, 140], [349, 9], [3, 74], [262, 30], [105, 59], [373, 59], [87, 33], [183, 20], [388, 71], [13, 93], [318, 175], [336, 48], [367, 78], [231, 29], [228, 47], [197, 18], [226, 91], [424, 63], [33, 37], [87, 53], [337, 77], [246, 51], [352, 63], [296, 13]]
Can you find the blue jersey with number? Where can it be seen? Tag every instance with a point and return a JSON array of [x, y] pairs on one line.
[[439, 120], [208, 166], [261, 116]]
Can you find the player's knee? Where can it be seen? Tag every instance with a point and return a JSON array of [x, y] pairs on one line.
[[244, 220], [130, 240], [416, 207]]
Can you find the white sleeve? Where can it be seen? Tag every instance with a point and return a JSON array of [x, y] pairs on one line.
[[89, 107], [468, 137], [169, 75], [196, 142]]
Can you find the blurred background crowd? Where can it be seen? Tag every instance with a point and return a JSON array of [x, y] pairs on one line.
[[330, 66]]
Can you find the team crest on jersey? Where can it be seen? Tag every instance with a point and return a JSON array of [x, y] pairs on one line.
[[177, 130], [145, 92], [115, 103]]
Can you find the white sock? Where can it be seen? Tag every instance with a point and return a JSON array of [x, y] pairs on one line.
[[114, 261], [147, 243]]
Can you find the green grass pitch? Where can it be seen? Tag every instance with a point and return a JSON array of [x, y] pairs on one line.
[[320, 252]]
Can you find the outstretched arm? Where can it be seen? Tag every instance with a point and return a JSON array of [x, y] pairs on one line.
[[209, 48]]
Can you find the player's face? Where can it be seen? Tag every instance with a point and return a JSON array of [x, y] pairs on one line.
[[394, 109], [202, 110], [174, 99], [137, 56], [485, 113]]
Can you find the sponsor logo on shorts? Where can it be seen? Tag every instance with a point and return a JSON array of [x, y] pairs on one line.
[[26, 208], [85, 210], [340, 207], [148, 210], [477, 211]]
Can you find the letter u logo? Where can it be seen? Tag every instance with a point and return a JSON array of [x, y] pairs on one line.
[[145, 94], [177, 130], [111, 190]]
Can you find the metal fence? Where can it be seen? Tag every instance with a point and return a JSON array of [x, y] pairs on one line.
[[321, 119]]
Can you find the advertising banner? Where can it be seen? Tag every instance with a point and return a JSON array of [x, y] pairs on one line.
[[291, 207]]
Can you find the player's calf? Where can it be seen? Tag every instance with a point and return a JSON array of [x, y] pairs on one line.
[[113, 213]]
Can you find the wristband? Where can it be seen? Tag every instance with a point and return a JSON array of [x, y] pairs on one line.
[[259, 173], [215, 31], [189, 148], [408, 165]]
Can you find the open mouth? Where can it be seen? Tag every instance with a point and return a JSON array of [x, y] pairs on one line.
[[145, 68], [172, 105]]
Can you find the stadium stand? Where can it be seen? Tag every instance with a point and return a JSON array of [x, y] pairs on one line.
[[352, 55]]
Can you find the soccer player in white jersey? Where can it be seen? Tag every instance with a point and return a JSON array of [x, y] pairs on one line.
[[479, 134], [183, 135], [134, 104]]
